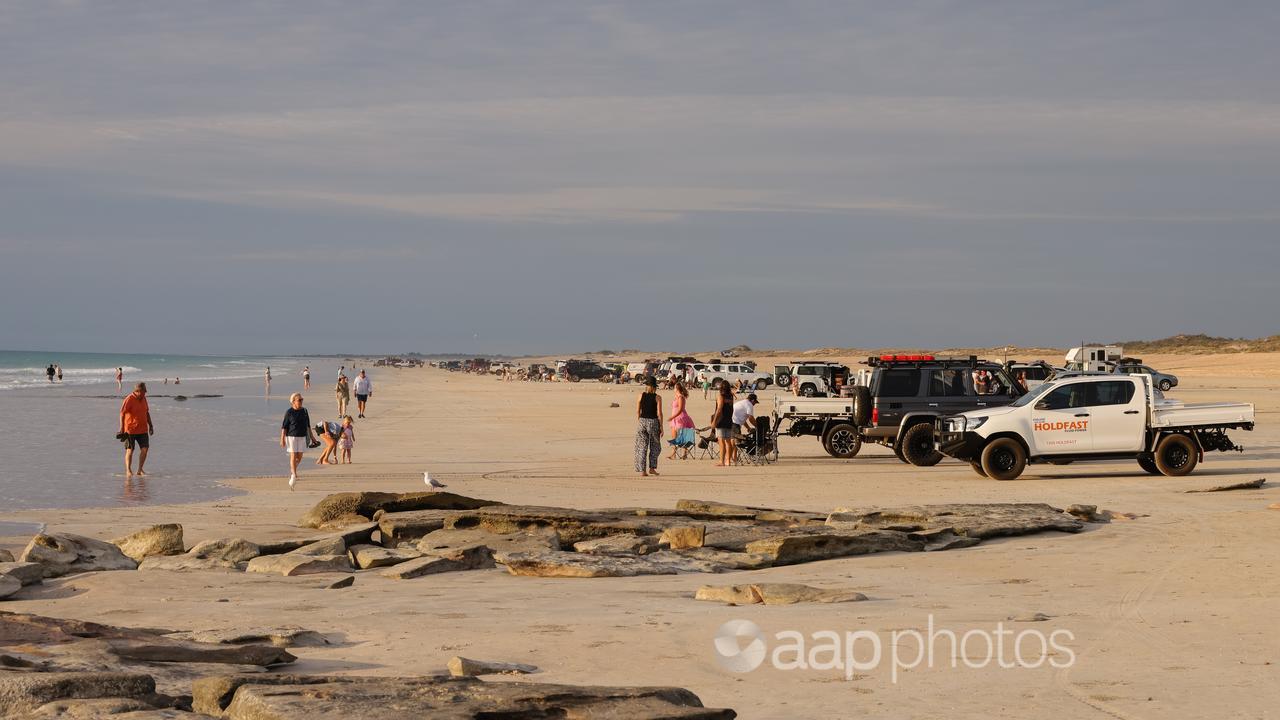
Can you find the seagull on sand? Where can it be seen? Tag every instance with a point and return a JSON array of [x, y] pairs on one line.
[[431, 482]]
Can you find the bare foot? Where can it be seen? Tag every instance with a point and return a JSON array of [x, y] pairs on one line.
[[644, 474], [128, 473], [140, 473], [653, 472]]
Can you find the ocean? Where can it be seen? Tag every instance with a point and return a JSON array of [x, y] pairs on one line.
[[60, 436]]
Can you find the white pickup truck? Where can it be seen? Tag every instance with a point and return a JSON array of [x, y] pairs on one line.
[[1092, 417]]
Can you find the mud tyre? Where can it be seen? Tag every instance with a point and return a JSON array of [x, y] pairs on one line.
[[917, 446], [1176, 455], [1004, 459], [842, 441]]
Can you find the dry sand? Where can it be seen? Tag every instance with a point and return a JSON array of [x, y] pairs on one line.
[[1172, 614]]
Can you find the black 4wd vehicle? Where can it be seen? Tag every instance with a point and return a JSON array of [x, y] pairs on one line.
[[898, 407]]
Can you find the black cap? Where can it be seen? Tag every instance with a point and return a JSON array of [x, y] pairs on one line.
[[754, 400], [651, 381]]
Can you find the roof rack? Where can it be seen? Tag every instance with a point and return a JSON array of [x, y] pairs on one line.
[[918, 360]]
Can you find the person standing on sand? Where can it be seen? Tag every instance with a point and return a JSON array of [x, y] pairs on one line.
[[59, 369], [364, 389], [342, 391], [295, 434], [306, 378], [680, 419], [722, 421], [268, 375], [649, 428], [348, 440], [120, 378], [136, 428]]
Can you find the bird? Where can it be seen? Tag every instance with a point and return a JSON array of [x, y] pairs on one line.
[[431, 482]]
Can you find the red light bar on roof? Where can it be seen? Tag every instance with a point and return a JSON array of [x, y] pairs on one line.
[[906, 358]]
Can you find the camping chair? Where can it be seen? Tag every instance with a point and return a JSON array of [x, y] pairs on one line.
[[685, 439], [708, 444], [760, 447]]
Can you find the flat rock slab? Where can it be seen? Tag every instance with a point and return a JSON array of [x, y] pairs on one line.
[[814, 546], [8, 586], [449, 698], [580, 565], [618, 545], [367, 557], [22, 692], [684, 537], [327, 546], [712, 510], [775, 594], [165, 650], [156, 540], [283, 636], [475, 557], [25, 573], [534, 540], [404, 527], [63, 554], [182, 563], [980, 520], [368, 504], [1251, 485], [572, 525], [108, 709], [466, 667], [293, 565]]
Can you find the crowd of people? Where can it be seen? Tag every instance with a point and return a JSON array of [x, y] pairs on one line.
[[731, 419], [338, 437]]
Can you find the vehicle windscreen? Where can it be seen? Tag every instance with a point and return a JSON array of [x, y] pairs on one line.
[[1033, 394]]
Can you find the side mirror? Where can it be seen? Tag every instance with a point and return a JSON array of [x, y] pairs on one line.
[[1042, 405]]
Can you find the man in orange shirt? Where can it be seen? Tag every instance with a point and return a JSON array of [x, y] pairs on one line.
[[136, 427]]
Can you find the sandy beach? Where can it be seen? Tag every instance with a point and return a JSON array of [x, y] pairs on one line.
[[1171, 614]]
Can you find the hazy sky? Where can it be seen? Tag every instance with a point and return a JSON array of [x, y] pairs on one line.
[[555, 176]]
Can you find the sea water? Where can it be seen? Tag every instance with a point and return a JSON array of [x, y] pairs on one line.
[[58, 439]]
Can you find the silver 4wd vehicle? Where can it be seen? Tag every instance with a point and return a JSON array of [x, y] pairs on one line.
[[734, 372], [1092, 417], [817, 378], [1164, 381]]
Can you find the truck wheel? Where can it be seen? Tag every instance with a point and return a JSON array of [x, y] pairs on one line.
[[897, 452], [1148, 463], [917, 446], [784, 380], [861, 404], [977, 467], [574, 378], [842, 441], [1176, 455], [808, 390], [762, 384], [1166, 386], [1004, 459]]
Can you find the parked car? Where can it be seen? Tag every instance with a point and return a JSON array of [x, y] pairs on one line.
[[735, 372], [1035, 373], [1092, 417], [898, 405], [576, 370], [1164, 381], [818, 378]]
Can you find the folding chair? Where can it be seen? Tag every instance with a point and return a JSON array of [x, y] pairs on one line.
[[685, 439], [708, 444]]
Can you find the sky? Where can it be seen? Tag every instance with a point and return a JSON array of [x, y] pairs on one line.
[[543, 177]]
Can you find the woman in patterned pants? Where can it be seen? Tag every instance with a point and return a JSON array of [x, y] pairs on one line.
[[649, 429]]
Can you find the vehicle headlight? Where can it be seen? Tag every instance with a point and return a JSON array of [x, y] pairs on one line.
[[974, 423], [955, 424]]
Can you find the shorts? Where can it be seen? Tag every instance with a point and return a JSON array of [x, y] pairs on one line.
[[362, 398], [725, 433], [295, 444], [142, 439]]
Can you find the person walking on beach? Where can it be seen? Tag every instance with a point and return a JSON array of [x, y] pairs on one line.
[[722, 421], [306, 378], [649, 428], [348, 440], [268, 375], [120, 378], [342, 391], [136, 428], [58, 368], [364, 389], [49, 372], [680, 419], [295, 434]]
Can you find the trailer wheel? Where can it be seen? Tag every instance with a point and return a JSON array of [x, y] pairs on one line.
[[1004, 459], [977, 467], [842, 441], [918, 447], [1146, 462], [1176, 455], [1166, 386]]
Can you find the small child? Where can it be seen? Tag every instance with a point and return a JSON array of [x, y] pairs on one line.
[[348, 438]]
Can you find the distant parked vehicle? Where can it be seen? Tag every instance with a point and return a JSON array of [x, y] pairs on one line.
[[576, 370], [735, 372], [1164, 381], [818, 378], [1035, 373]]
